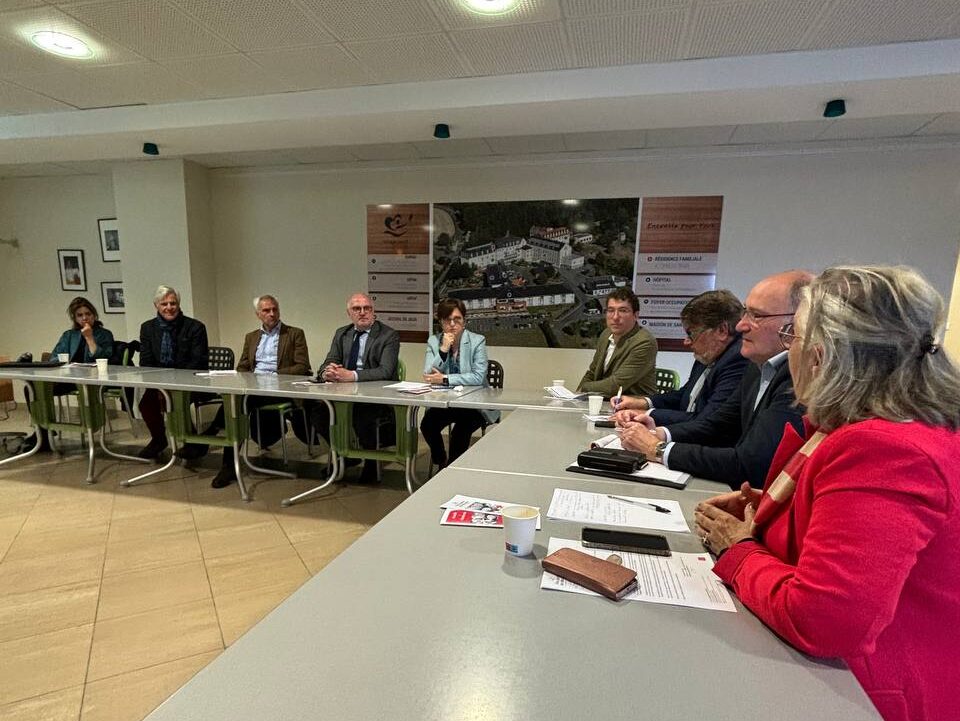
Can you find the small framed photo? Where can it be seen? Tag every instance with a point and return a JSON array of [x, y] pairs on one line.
[[73, 271], [109, 240], [112, 294]]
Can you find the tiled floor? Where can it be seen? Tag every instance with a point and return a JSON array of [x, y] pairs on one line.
[[112, 598]]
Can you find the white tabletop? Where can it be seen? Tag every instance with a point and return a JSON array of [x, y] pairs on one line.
[[508, 399], [420, 621]]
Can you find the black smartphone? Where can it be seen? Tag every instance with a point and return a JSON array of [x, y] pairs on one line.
[[605, 424], [625, 541]]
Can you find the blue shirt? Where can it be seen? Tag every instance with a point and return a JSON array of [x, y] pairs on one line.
[[767, 371], [266, 359]]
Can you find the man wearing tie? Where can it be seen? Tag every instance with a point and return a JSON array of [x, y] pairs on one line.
[[364, 350]]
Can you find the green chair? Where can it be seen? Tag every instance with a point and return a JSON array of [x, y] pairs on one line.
[[120, 394], [667, 380], [90, 415]]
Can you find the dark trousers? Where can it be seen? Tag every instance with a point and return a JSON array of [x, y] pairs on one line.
[[367, 417], [152, 407], [462, 421], [267, 430]]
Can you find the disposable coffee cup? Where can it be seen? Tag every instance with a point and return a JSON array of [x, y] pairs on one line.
[[558, 381], [594, 403], [519, 525], [102, 365], [63, 357]]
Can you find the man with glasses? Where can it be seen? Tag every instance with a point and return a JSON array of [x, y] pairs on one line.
[[710, 321], [735, 443], [626, 355], [363, 350]]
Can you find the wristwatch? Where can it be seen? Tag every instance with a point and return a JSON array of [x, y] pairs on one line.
[[446, 380], [659, 449]]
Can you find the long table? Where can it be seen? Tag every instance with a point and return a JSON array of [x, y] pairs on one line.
[[421, 621]]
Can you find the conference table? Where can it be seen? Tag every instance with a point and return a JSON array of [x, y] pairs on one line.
[[420, 621]]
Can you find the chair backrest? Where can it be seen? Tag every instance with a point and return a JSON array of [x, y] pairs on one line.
[[667, 380], [401, 370], [220, 358], [494, 373], [123, 352]]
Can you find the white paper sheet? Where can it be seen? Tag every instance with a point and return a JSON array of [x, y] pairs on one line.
[[583, 507], [611, 440], [215, 373], [564, 393], [683, 579], [409, 387]]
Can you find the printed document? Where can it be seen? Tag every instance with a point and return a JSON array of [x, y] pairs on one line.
[[683, 579], [583, 507]]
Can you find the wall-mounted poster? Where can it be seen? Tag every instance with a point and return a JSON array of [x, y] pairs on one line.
[[112, 294], [677, 251], [534, 273], [73, 272], [109, 240], [398, 267]]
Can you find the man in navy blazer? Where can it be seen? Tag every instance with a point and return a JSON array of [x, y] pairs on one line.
[[710, 322], [736, 442], [364, 350]]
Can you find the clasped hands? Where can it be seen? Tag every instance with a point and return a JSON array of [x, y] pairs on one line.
[[640, 432], [336, 373], [434, 377], [727, 519]]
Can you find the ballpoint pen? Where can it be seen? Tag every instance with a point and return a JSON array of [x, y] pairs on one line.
[[634, 501], [615, 401]]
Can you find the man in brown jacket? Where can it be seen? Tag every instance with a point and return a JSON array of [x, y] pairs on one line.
[[272, 348]]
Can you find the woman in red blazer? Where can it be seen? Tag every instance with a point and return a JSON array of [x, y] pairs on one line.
[[852, 550]]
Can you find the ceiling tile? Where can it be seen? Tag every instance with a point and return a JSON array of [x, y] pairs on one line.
[[894, 126], [685, 137], [18, 4], [411, 58], [227, 76], [385, 151], [156, 30], [19, 101], [369, 19], [749, 28], [326, 66], [455, 16], [522, 144], [946, 124], [627, 39], [256, 25], [29, 170], [98, 87], [850, 24], [329, 154], [468, 147], [514, 48], [592, 8], [605, 140], [88, 167], [760, 133], [256, 158]]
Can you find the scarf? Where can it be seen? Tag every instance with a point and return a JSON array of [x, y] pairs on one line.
[[167, 345], [783, 486]]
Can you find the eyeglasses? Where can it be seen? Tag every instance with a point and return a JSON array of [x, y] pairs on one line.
[[755, 318], [620, 311], [692, 335], [787, 336], [452, 320], [361, 309]]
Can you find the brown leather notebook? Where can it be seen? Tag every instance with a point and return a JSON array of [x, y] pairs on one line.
[[609, 579]]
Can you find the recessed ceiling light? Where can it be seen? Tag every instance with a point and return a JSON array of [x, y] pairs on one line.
[[61, 44], [570, 201], [490, 7]]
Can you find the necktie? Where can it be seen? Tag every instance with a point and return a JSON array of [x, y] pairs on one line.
[[354, 350]]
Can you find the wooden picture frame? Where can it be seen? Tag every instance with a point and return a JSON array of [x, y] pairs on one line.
[[73, 270], [109, 239], [111, 295]]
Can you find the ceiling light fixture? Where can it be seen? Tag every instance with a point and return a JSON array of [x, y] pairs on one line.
[[835, 108], [441, 131], [490, 7], [61, 44]]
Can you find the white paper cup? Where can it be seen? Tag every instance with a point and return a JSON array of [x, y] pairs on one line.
[[594, 403], [63, 357], [102, 365], [558, 382], [519, 525]]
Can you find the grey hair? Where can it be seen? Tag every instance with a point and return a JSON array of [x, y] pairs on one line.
[[163, 291], [875, 330], [261, 298]]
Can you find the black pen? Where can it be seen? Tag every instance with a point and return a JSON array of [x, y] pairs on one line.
[[634, 501]]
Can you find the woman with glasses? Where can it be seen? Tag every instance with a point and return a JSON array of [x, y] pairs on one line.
[[852, 550], [455, 357]]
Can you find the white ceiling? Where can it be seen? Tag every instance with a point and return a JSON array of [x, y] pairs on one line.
[[252, 82]]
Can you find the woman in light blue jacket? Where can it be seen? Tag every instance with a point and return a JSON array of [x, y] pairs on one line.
[[455, 357]]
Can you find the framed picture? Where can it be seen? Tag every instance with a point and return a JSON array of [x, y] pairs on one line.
[[112, 294], [109, 240], [73, 272]]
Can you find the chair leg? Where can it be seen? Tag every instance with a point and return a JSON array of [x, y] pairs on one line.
[[283, 435]]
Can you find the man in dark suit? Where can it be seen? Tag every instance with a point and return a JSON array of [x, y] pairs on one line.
[[364, 350], [709, 320], [736, 442], [168, 340], [272, 348]]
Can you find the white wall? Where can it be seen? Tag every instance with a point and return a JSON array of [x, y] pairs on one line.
[[45, 214], [300, 234]]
